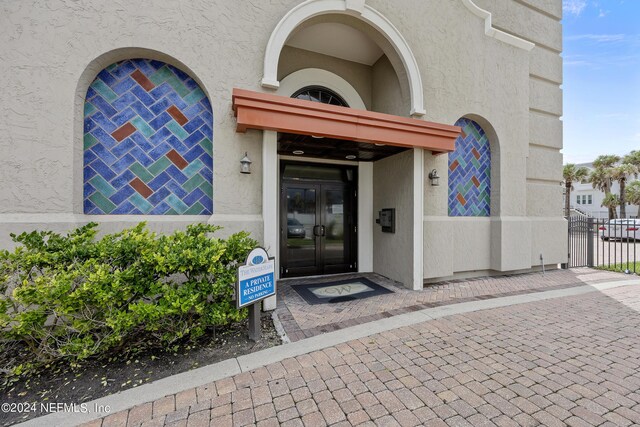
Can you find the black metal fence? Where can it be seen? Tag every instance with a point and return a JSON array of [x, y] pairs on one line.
[[614, 244]]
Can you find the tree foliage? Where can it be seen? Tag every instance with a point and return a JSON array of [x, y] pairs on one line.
[[611, 168], [632, 194], [621, 173], [572, 174], [611, 201]]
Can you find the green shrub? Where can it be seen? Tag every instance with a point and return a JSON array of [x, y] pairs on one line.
[[68, 297]]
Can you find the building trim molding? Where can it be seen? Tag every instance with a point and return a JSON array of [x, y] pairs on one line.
[[359, 9], [497, 34]]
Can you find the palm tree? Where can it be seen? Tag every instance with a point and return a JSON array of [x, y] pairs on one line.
[[571, 174], [632, 158], [621, 173], [601, 180], [632, 194], [611, 201], [606, 161], [601, 176]]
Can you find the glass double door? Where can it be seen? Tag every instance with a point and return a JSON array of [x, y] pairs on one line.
[[318, 226]]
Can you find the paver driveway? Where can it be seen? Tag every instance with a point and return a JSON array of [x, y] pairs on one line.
[[301, 320], [566, 361]]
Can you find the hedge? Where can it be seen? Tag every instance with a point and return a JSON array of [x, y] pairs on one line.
[[69, 297]]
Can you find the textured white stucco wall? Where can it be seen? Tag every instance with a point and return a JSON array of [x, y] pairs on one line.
[[393, 188], [52, 51]]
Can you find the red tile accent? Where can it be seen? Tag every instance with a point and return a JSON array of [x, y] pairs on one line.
[[461, 199], [123, 131], [177, 159], [475, 181], [141, 187], [475, 153], [454, 165], [142, 80], [177, 115]]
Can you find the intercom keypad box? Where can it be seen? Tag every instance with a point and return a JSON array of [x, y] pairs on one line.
[[387, 220]]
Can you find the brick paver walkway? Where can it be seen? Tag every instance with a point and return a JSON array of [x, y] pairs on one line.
[[301, 320], [566, 361]]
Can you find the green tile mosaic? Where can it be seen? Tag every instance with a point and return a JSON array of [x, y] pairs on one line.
[[207, 188], [177, 130], [193, 168], [141, 172], [140, 203], [193, 210], [206, 145], [143, 127], [160, 165], [101, 184], [89, 141], [104, 90], [193, 183], [102, 202]]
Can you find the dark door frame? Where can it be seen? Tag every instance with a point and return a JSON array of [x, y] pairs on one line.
[[350, 205]]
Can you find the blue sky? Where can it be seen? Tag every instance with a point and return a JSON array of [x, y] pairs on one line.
[[601, 84]]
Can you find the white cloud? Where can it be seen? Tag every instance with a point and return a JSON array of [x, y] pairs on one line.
[[577, 63], [574, 7], [603, 13], [599, 38], [614, 116]]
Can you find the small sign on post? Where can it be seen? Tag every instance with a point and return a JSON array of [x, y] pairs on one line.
[[256, 281]]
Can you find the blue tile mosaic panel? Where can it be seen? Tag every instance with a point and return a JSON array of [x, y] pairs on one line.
[[148, 132], [470, 172]]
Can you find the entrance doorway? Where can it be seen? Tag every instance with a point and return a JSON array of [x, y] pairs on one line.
[[318, 219]]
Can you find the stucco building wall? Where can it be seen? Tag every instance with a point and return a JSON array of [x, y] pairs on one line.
[[393, 188], [51, 54], [544, 160]]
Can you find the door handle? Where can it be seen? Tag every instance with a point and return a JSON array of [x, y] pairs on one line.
[[318, 230]]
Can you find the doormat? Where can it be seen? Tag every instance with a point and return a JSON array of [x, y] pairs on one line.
[[340, 291]]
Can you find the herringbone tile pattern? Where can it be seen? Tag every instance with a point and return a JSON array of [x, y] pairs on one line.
[[470, 172], [147, 142]]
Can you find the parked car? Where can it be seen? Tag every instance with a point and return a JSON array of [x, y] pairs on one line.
[[295, 229], [623, 229]]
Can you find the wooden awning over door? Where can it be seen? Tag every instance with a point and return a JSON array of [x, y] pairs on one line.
[[256, 110]]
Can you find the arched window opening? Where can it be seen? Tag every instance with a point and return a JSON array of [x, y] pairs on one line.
[[148, 132], [470, 172], [320, 94]]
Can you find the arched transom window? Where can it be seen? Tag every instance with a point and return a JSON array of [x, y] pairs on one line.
[[320, 94]]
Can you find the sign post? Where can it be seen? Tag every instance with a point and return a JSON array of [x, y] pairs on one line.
[[256, 281]]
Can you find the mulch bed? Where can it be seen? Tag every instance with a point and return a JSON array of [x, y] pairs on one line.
[[97, 378]]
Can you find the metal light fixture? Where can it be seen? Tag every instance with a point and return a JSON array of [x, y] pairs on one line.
[[245, 164], [435, 179]]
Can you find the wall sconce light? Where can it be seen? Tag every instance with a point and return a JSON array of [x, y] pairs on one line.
[[245, 164], [435, 179]]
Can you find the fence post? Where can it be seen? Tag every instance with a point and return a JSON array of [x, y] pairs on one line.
[[590, 237], [565, 265]]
